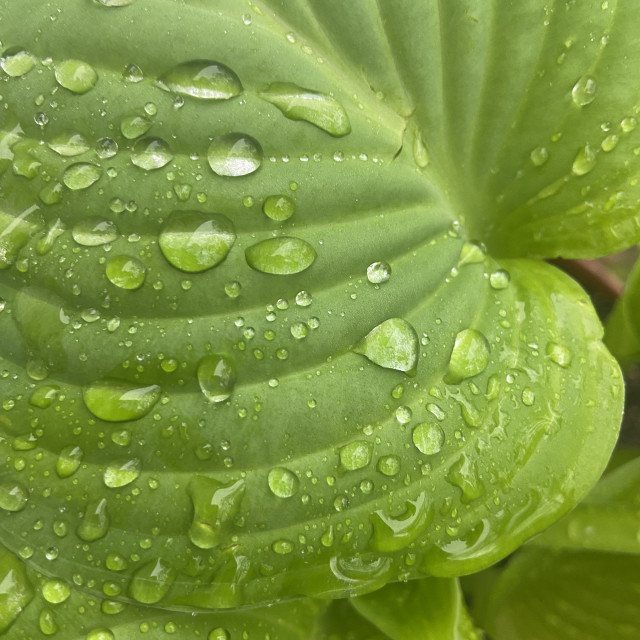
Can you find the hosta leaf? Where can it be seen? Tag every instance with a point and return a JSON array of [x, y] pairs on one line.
[[544, 595], [250, 355]]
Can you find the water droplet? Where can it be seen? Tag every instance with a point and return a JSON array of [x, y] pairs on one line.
[[420, 153], [378, 272], [216, 377], [389, 465], [93, 232], [16, 591], [234, 154], [356, 455], [363, 572], [126, 272], [610, 142], [152, 581], [584, 161], [528, 397], [100, 634], [69, 144], [192, 241], [115, 401], [43, 396], [120, 474], [393, 344], [393, 533], [319, 109], [69, 461], [628, 124], [116, 3], [303, 299], [280, 256], [133, 73], [469, 357], [584, 91], [13, 497], [279, 208], [134, 126], [299, 330], [499, 279], [539, 156], [151, 153], [282, 547], [95, 521], [202, 79], [463, 474], [219, 634], [106, 148], [47, 622], [75, 75], [428, 438], [559, 354], [16, 231], [215, 505], [283, 482], [81, 175], [55, 591], [17, 61], [116, 562]]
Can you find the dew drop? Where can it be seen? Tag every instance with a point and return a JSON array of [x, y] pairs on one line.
[[234, 154], [69, 144], [219, 634], [13, 496], [499, 279], [192, 241], [420, 153], [389, 465], [472, 253], [95, 521], [16, 592], [116, 3], [356, 455], [584, 91], [43, 396], [17, 61], [469, 357], [428, 438], [559, 354], [393, 533], [303, 299], [152, 581], [610, 142], [100, 634], [133, 73], [528, 397], [126, 272], [628, 124], [55, 591], [378, 272], [151, 153], [279, 208], [75, 75], [216, 377], [120, 474], [115, 401], [134, 126], [280, 256], [393, 344], [283, 482], [81, 175], [299, 330], [463, 474], [47, 622], [203, 79], [93, 232], [539, 156], [69, 461], [584, 161]]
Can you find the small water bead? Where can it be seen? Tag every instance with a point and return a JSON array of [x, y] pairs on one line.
[[134, 126], [389, 465], [283, 482], [152, 581], [279, 208], [69, 144], [93, 232], [319, 109], [280, 256], [193, 242], [428, 438], [299, 330], [95, 521], [219, 634], [420, 153], [528, 397], [81, 175], [13, 496], [469, 357], [234, 154], [393, 344], [47, 622], [75, 75], [202, 79], [126, 272], [584, 91], [463, 474], [216, 377], [403, 414], [55, 591], [356, 455], [559, 354], [133, 73], [151, 153], [115, 401], [303, 299], [100, 634], [233, 289], [628, 124], [69, 461], [282, 547], [378, 272], [499, 279], [120, 474], [17, 61], [51, 193], [539, 156], [584, 161], [116, 562]]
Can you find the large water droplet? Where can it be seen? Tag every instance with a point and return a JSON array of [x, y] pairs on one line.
[[55, 591], [559, 354], [47, 622], [16, 231], [203, 79], [280, 256], [217, 377], [499, 279], [470, 356], [116, 401], [214, 505], [13, 496], [392, 533], [17, 61], [319, 109], [363, 572], [356, 455], [219, 634], [463, 474], [93, 232], [75, 75], [126, 272], [283, 482], [234, 154], [584, 161], [81, 175], [194, 242], [69, 144], [378, 272], [120, 474], [428, 438], [16, 591], [151, 153], [152, 581], [584, 91], [393, 344], [69, 461], [279, 208], [95, 521], [134, 126]]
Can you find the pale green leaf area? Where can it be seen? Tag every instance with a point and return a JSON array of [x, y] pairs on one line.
[[272, 325]]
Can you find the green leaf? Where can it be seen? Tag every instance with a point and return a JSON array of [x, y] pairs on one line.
[[428, 609], [543, 595], [205, 277]]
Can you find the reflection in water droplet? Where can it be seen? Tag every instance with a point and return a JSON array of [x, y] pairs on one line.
[[69, 461], [95, 521], [69, 144], [319, 109], [428, 438], [17, 61], [378, 272], [584, 161], [217, 377], [81, 175], [75, 75], [584, 91], [194, 242], [115, 401], [463, 474], [202, 79], [393, 344], [151, 153], [234, 154], [279, 208], [152, 581], [126, 272], [93, 232], [559, 354], [134, 126], [120, 474], [280, 256], [13, 497], [283, 482], [393, 533], [469, 357], [356, 455]]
